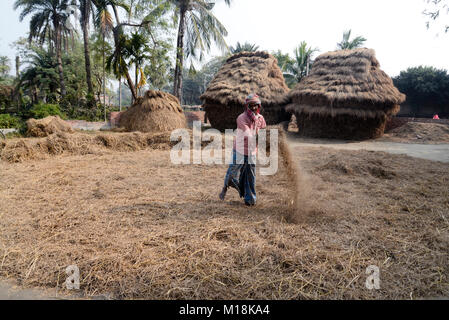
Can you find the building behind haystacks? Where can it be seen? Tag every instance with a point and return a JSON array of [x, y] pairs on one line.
[[242, 74], [156, 111], [345, 96]]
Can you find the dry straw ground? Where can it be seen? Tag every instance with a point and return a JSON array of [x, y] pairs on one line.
[[138, 226], [416, 132]]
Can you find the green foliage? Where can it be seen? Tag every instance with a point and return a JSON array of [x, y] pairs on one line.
[[4, 70], [425, 86], [195, 83], [345, 43], [159, 67], [249, 47], [285, 63], [296, 68], [8, 121], [40, 79], [42, 110]]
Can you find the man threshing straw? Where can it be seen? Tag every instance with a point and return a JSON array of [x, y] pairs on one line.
[[241, 174]]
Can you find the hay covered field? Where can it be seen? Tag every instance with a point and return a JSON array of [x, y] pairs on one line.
[[138, 226]]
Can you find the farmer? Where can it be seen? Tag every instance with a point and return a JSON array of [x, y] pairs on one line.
[[241, 174]]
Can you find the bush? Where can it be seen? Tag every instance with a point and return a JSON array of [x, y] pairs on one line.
[[42, 110], [425, 86], [8, 121]]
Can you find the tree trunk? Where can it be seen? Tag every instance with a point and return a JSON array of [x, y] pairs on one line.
[[177, 86], [104, 78], [85, 27], [120, 94], [137, 83], [50, 41], [19, 96], [59, 57]]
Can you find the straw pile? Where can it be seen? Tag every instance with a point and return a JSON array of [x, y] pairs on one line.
[[345, 96], [47, 126], [157, 111], [416, 132], [19, 150], [242, 74]]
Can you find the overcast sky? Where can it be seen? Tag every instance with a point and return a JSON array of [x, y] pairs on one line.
[[396, 29]]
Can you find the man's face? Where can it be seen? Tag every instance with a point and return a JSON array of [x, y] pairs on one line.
[[253, 107]]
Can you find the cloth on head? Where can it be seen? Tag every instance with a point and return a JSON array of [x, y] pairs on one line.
[[252, 99]]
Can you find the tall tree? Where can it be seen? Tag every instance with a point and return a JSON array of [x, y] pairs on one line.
[[44, 12], [103, 21], [4, 66], [86, 12], [345, 43], [197, 29], [119, 37], [40, 78], [301, 64], [119, 62], [137, 50]]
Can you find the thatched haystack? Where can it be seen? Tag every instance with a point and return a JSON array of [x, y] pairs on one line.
[[242, 74], [346, 96], [156, 111], [47, 126]]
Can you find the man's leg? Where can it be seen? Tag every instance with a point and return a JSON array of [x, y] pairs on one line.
[[250, 185], [250, 182], [231, 178]]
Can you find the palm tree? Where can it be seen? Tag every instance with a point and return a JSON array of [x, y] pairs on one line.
[[118, 60], [40, 78], [124, 50], [200, 28], [103, 21], [244, 47], [137, 48], [357, 42], [299, 67], [46, 12]]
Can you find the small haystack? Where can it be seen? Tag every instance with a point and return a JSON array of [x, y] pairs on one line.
[[346, 96], [242, 74], [156, 111], [47, 126]]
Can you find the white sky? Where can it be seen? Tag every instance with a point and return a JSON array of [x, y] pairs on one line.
[[394, 28]]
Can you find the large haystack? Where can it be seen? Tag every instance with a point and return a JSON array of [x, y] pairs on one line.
[[47, 126], [242, 74], [345, 96], [156, 111]]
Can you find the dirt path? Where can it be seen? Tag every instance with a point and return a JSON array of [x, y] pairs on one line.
[[435, 152], [10, 292]]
